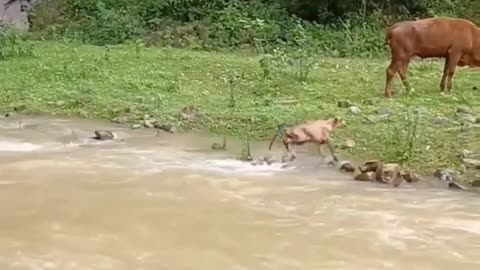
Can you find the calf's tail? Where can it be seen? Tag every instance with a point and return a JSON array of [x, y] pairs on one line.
[[280, 129]]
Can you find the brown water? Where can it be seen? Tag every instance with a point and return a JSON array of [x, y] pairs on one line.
[[167, 202]]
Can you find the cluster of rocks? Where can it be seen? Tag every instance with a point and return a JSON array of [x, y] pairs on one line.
[[382, 113], [188, 114], [465, 119], [369, 171], [377, 171], [470, 122], [268, 160]]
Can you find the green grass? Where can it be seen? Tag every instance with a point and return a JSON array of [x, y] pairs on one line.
[[92, 81]]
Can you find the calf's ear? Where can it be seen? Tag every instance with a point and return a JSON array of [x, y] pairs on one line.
[[337, 121]]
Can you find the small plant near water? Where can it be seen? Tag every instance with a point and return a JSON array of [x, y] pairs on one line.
[[299, 63], [302, 64], [405, 137], [232, 85], [246, 155]]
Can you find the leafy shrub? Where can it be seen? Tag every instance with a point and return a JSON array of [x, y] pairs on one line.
[[12, 45], [109, 26], [337, 28]]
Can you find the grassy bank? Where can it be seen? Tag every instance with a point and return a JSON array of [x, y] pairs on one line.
[[130, 80]]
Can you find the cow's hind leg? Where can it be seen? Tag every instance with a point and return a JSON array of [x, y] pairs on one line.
[[399, 65], [392, 69], [444, 76], [403, 74], [454, 57]]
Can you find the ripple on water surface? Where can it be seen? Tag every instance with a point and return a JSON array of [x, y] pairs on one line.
[[13, 146]]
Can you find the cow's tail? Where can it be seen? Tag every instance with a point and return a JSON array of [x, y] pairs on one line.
[[387, 36], [388, 32]]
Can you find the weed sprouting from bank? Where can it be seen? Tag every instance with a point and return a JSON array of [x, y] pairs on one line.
[[406, 140]]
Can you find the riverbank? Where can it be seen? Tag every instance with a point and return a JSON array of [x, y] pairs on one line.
[[126, 82]]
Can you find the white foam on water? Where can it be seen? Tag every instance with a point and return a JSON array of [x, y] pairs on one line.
[[224, 166], [469, 226], [8, 182], [18, 146], [231, 166]]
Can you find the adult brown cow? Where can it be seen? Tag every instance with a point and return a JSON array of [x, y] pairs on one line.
[[456, 40]]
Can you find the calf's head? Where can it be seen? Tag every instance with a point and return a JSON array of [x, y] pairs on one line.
[[334, 123]]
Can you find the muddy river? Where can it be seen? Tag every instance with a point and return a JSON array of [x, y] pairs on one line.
[[168, 202]]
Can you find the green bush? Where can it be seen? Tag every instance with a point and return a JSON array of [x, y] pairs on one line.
[[337, 28], [12, 45]]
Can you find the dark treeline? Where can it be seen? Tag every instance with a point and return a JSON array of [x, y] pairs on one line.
[[336, 27]]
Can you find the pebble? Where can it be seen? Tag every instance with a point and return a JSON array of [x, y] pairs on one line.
[[471, 163], [354, 110], [464, 109], [345, 104], [136, 126]]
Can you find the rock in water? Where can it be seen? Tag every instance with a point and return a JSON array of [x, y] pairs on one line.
[[148, 124], [104, 135], [166, 127], [476, 181], [266, 159], [369, 166], [446, 174], [269, 159], [346, 166], [471, 163], [217, 146], [456, 185], [257, 162], [365, 176], [389, 173], [410, 177]]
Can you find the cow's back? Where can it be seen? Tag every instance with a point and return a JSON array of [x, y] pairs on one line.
[[433, 37]]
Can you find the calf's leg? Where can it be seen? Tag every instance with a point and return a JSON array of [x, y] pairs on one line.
[[290, 156], [332, 150], [320, 150]]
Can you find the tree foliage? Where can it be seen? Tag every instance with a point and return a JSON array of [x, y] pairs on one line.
[[347, 27]]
